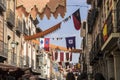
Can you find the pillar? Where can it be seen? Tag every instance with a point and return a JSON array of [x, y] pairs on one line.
[[116, 56], [110, 67]]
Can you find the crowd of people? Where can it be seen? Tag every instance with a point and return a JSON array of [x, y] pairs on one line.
[[83, 76]]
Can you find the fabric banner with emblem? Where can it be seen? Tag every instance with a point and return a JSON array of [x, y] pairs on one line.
[[70, 42]]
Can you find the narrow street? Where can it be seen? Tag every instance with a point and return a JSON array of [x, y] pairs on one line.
[[59, 39]]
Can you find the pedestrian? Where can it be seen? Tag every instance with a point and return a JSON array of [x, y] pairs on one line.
[[82, 76], [112, 78], [99, 76], [70, 76]]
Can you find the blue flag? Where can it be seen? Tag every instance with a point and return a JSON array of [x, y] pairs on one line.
[[70, 42]]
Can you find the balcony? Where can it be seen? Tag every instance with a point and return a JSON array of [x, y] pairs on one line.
[[25, 30], [19, 26], [110, 37], [98, 44], [21, 61], [2, 5], [3, 51], [92, 56], [92, 15], [10, 18], [99, 3], [14, 59], [96, 52], [89, 1], [118, 16]]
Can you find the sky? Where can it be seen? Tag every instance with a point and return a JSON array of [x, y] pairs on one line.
[[67, 28]]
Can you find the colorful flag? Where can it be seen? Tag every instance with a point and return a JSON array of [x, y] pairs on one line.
[[71, 57], [56, 55], [105, 32], [77, 19], [61, 56], [44, 43], [67, 56], [70, 42]]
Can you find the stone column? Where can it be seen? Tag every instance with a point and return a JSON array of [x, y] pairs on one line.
[[117, 65], [110, 67]]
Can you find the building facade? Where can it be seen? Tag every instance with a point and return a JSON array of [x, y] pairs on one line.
[[86, 46], [17, 55], [103, 28]]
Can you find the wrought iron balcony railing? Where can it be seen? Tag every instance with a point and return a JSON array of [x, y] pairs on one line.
[[14, 59], [92, 15], [25, 30], [19, 26], [3, 51], [21, 62], [2, 5], [92, 56], [10, 18], [99, 43], [118, 16]]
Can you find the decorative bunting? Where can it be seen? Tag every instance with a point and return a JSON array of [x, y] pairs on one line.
[[65, 20], [60, 56], [41, 34], [76, 20]]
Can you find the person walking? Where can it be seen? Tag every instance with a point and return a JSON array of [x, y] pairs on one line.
[[83, 76], [99, 76], [70, 76]]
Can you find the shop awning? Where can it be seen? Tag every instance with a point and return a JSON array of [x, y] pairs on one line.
[[42, 7]]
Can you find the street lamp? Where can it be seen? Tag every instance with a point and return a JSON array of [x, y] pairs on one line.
[[13, 44]]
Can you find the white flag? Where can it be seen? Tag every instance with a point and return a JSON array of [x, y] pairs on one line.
[[41, 43]]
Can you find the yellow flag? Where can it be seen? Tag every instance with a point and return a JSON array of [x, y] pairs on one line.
[[105, 32]]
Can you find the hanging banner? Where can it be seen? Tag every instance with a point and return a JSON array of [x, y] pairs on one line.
[[70, 42], [77, 19], [61, 56], [44, 43]]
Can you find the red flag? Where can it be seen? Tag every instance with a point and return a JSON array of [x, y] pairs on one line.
[[77, 19], [70, 56], [61, 56], [56, 55], [67, 56], [46, 45]]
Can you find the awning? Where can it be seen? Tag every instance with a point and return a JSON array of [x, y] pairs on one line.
[[42, 7], [41, 34], [52, 46]]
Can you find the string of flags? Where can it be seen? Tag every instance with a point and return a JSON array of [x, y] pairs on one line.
[[70, 43], [61, 56], [76, 19]]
